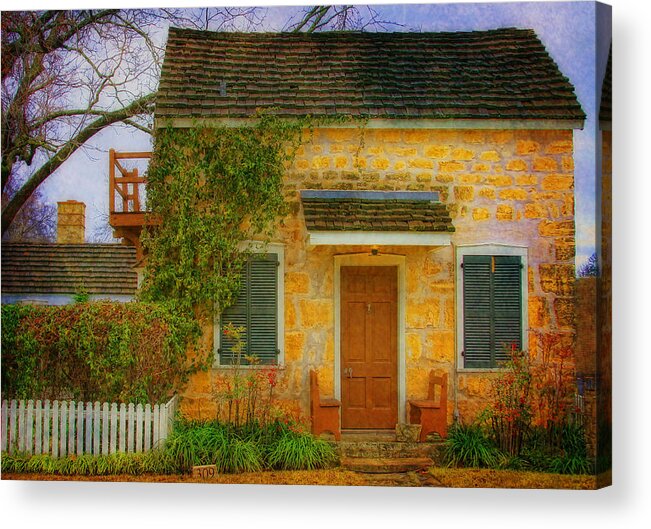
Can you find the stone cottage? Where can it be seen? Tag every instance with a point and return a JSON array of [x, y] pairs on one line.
[[433, 233]]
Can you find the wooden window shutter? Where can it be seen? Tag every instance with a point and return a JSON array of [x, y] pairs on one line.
[[256, 310], [492, 308]]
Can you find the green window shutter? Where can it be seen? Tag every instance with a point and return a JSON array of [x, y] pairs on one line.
[[507, 305], [477, 318], [492, 308], [256, 311]]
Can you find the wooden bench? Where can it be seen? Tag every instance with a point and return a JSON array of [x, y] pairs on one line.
[[432, 413], [323, 412]]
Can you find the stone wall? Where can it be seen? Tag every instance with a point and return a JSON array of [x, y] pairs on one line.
[[506, 187]]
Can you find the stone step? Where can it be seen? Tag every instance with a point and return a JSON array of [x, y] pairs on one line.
[[387, 449], [385, 465]]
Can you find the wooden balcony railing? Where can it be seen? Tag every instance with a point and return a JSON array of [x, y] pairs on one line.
[[128, 197], [127, 193]]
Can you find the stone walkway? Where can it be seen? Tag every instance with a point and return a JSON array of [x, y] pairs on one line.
[[403, 479]]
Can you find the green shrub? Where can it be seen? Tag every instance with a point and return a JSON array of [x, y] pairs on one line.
[[153, 462], [104, 351], [469, 446], [299, 451]]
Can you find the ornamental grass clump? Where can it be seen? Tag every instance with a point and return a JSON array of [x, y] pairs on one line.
[[470, 446]]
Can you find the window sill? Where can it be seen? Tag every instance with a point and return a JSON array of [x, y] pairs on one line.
[[480, 370], [228, 367]]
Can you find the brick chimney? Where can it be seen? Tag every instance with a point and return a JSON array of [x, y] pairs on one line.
[[71, 224]]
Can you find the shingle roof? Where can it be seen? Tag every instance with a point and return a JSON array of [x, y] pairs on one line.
[[502, 73], [371, 211], [66, 268], [605, 109]]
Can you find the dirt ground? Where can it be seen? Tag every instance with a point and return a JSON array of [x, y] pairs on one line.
[[435, 477]]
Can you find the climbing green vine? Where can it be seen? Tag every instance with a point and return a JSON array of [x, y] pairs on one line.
[[213, 189]]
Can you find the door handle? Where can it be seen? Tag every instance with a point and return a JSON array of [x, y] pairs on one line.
[[348, 372]]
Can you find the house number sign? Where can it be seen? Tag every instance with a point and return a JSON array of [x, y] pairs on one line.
[[204, 471]]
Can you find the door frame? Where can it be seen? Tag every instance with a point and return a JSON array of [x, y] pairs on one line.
[[364, 259]]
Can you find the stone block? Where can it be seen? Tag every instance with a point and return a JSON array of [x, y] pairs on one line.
[[513, 194], [567, 164], [302, 164], [565, 249], [321, 162], [504, 212], [526, 180], [341, 135], [414, 347], [389, 136], [416, 136], [480, 167], [462, 154], [560, 147], [558, 183], [380, 164], [437, 151], [400, 165], [341, 162], [290, 314], [445, 178], [294, 346], [451, 167], [500, 137], [538, 312], [408, 433], [440, 346], [470, 178], [545, 165], [557, 279], [535, 210], [527, 147], [297, 283], [200, 383], [375, 150], [516, 165], [490, 156], [480, 214], [499, 180], [563, 228], [421, 163], [316, 313], [402, 151], [565, 313], [487, 192], [465, 193], [359, 162], [473, 136], [421, 315]]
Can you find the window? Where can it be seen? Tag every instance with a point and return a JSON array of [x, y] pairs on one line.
[[492, 304], [258, 310]]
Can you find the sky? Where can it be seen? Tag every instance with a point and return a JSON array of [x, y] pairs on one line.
[[567, 29]]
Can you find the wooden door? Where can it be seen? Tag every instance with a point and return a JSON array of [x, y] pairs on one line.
[[369, 322]]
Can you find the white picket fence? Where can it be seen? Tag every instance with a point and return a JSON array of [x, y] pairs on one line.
[[69, 427]]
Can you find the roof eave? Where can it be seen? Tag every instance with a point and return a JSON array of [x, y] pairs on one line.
[[380, 123]]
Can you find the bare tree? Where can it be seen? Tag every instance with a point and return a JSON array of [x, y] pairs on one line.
[[68, 75], [339, 17], [36, 221]]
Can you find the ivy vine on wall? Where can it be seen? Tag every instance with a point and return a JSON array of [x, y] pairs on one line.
[[213, 188]]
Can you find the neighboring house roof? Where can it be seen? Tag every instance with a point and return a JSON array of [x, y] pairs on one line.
[[374, 211], [30, 268], [496, 74], [605, 109]]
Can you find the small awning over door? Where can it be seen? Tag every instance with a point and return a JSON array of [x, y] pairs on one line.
[[376, 218]]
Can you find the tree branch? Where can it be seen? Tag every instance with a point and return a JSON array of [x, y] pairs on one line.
[[140, 106]]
